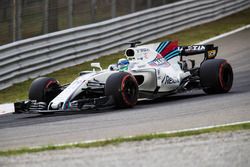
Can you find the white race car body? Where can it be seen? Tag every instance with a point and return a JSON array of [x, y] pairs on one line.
[[157, 71], [149, 71], [155, 74], [64, 99]]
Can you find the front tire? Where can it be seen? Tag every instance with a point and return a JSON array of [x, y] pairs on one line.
[[216, 76], [44, 89], [123, 87]]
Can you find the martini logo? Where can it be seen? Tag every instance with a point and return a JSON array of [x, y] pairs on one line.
[[196, 47]]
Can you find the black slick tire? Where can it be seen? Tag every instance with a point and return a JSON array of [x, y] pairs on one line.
[[123, 87], [44, 89], [216, 76]]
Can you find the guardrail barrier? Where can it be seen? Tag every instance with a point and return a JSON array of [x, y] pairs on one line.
[[44, 54]]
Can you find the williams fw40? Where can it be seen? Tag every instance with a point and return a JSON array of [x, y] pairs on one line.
[[147, 71]]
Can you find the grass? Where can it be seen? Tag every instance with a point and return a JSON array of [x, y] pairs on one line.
[[186, 37], [117, 141]]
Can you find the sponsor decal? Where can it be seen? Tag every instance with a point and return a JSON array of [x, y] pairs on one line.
[[139, 58], [192, 48], [159, 62], [142, 50], [167, 80], [196, 47], [211, 54], [180, 48]]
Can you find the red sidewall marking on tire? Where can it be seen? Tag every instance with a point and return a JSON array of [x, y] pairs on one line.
[[122, 90], [49, 83], [47, 86], [222, 83], [123, 93]]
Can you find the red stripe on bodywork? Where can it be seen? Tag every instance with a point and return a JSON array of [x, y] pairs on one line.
[[172, 46]]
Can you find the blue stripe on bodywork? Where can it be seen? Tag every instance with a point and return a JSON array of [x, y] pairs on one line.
[[172, 54], [162, 43], [162, 46]]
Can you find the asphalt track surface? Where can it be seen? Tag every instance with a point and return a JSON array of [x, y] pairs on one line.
[[188, 110]]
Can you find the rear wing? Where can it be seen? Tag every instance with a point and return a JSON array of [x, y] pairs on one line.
[[209, 51]]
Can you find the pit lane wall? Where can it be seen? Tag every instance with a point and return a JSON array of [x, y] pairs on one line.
[[30, 58]]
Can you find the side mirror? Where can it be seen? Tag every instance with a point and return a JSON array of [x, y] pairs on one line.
[[96, 65]]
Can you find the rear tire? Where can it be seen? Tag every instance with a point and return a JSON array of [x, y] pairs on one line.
[[123, 87], [216, 76], [44, 89]]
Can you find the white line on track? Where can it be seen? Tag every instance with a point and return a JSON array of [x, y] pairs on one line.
[[205, 127], [224, 35], [9, 108], [182, 130]]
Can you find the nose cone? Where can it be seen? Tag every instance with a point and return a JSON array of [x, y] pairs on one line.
[[55, 105]]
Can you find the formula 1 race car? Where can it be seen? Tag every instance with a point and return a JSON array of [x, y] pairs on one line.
[[147, 71]]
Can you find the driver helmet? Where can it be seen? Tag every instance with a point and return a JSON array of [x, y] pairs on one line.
[[123, 64]]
